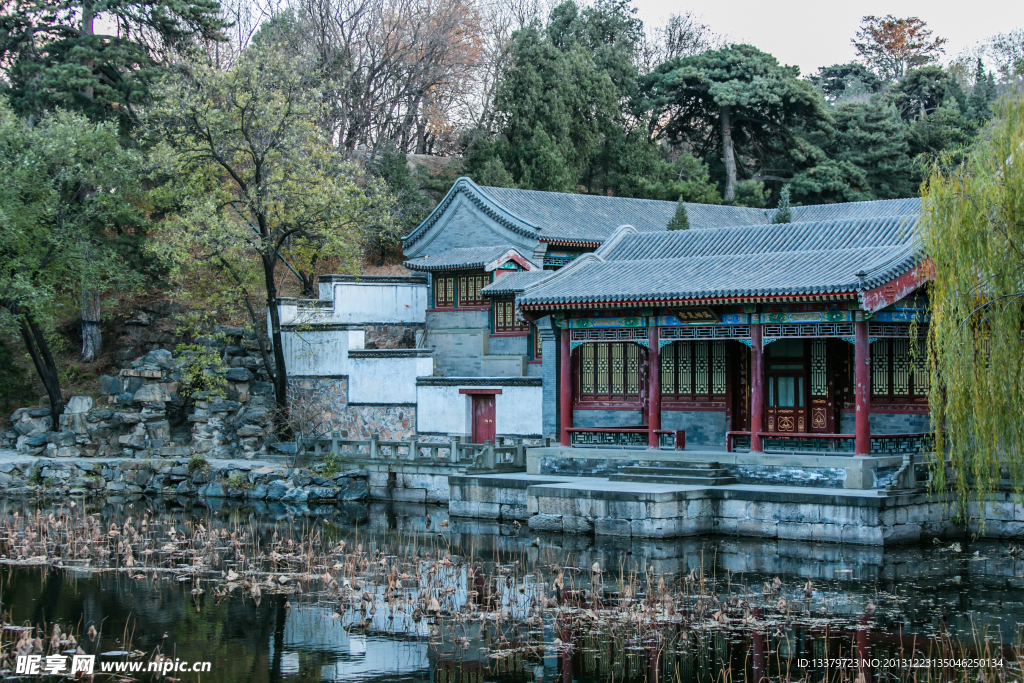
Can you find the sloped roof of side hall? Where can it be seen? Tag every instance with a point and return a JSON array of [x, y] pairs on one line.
[[584, 219], [466, 257], [830, 259]]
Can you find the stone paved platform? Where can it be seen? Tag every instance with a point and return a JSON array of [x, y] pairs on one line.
[[595, 505]]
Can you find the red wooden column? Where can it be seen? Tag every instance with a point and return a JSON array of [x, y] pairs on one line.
[[565, 388], [653, 386], [862, 392], [756, 384]]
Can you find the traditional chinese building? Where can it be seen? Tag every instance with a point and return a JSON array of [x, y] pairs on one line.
[[581, 318], [800, 336]]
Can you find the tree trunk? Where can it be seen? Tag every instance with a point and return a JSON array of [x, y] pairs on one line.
[[728, 155], [92, 337], [280, 378], [39, 351]]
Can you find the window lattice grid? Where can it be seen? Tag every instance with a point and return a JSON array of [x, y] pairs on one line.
[[668, 369], [700, 368], [587, 368], [718, 368], [922, 382], [803, 330], [685, 354], [602, 368], [538, 344], [444, 292], [880, 368], [610, 371], [901, 367], [505, 317], [632, 368], [469, 289], [819, 365], [610, 334], [617, 369], [706, 332]]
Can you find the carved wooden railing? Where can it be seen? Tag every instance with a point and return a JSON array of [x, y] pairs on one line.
[[881, 444]]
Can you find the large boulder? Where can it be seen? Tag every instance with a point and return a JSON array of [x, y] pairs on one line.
[[79, 404], [152, 392]]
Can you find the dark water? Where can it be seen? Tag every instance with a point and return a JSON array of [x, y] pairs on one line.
[[878, 603]]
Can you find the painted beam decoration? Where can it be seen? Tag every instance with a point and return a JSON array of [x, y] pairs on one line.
[[807, 317], [703, 314], [898, 288], [606, 323]]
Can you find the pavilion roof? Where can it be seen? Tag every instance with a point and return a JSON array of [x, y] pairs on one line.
[[832, 259]]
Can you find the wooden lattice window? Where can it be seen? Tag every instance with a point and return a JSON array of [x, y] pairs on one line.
[[469, 289], [505, 319], [693, 370], [444, 291], [897, 376], [538, 344], [609, 372]]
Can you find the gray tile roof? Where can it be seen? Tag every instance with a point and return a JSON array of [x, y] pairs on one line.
[[762, 261], [466, 257], [851, 210], [513, 283], [592, 218]]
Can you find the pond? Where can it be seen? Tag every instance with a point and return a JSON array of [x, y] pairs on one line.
[[400, 592]]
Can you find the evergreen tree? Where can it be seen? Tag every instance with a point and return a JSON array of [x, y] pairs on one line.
[[736, 103], [783, 214], [680, 221], [845, 80], [53, 57], [979, 104], [871, 136]]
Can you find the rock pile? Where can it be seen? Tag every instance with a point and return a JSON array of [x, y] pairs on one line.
[[183, 477], [142, 414]]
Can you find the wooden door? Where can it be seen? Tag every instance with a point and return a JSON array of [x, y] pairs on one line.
[[786, 386], [483, 418], [821, 389]]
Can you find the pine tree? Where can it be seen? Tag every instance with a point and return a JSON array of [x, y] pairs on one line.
[[680, 221], [56, 55], [979, 104], [783, 214]]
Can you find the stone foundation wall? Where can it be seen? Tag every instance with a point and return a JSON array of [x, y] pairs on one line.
[[888, 423], [703, 427], [390, 422], [550, 505], [181, 477], [392, 336], [328, 395]]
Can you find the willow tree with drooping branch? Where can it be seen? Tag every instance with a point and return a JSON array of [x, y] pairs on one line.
[[973, 231]]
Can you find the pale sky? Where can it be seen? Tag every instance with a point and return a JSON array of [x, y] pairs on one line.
[[814, 33]]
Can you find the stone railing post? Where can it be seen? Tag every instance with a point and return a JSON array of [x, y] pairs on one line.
[[374, 448], [488, 454], [335, 447], [413, 448], [520, 460]]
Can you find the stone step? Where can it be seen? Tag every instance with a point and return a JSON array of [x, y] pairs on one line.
[[696, 474], [674, 479], [676, 471]]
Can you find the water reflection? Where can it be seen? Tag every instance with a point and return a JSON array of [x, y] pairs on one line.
[[865, 603]]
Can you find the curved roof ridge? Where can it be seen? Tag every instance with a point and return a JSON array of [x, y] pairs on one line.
[[497, 211]]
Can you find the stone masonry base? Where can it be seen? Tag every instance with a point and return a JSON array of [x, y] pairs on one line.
[[619, 509]]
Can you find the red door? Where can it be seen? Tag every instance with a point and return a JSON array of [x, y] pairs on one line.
[[483, 418]]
